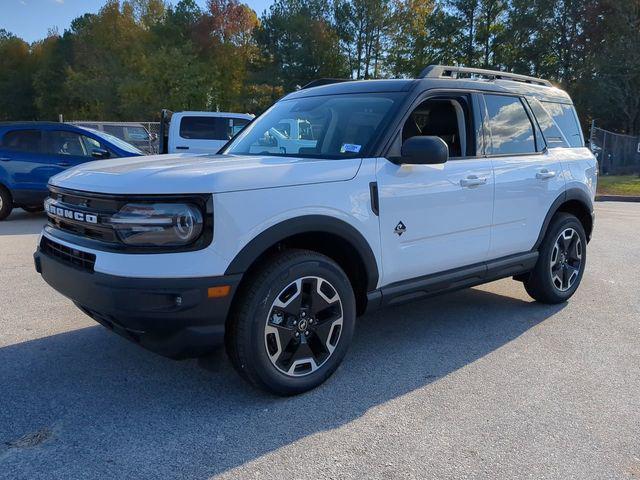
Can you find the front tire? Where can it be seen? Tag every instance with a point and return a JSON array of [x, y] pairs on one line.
[[561, 262], [6, 203], [293, 323]]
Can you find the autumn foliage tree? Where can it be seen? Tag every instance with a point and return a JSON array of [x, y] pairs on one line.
[[135, 57]]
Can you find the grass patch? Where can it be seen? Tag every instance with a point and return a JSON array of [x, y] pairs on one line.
[[619, 185]]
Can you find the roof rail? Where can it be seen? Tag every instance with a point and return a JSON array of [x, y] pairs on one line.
[[324, 81], [443, 71], [29, 122]]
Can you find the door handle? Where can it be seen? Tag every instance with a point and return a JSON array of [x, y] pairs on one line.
[[473, 181], [64, 164], [544, 174], [4, 159], [182, 148]]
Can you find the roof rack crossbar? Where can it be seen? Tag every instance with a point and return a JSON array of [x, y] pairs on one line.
[[443, 71]]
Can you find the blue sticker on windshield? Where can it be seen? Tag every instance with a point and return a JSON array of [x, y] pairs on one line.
[[350, 148]]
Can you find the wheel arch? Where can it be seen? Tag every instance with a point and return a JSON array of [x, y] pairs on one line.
[[5, 186], [574, 201], [327, 235]]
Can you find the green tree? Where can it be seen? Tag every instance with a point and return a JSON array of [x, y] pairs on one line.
[[608, 87], [299, 44], [16, 70], [363, 28], [491, 26], [466, 12], [427, 38]]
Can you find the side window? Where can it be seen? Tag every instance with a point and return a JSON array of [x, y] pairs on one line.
[[550, 130], [115, 130], [135, 134], [284, 128], [511, 129], [305, 130], [91, 144], [66, 143], [235, 125], [447, 118], [565, 117], [204, 128], [210, 128], [28, 141]]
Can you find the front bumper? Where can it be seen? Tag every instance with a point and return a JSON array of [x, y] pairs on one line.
[[171, 316]]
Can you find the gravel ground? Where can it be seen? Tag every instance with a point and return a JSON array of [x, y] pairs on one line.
[[482, 383]]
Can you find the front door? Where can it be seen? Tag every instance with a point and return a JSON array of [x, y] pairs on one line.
[[67, 149], [435, 218]]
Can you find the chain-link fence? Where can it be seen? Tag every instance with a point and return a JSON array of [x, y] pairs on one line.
[[142, 135], [617, 154]]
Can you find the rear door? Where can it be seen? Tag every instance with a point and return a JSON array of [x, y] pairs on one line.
[[528, 175], [23, 158]]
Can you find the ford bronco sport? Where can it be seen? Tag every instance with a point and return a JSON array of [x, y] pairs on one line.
[[400, 189]]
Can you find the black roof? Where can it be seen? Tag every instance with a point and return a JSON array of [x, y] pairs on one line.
[[355, 86], [441, 77]]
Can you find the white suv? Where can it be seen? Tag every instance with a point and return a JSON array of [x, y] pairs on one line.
[[400, 189]]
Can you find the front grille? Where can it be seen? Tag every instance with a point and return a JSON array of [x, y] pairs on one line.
[[94, 204], [94, 232], [85, 261]]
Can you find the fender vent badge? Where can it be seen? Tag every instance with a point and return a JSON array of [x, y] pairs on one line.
[[400, 228]]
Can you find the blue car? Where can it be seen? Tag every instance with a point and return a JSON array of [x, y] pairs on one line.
[[32, 152]]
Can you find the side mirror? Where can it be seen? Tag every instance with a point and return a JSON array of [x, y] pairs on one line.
[[100, 153], [424, 151]]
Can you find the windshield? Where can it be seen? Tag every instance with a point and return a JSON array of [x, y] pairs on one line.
[[121, 144], [332, 126]]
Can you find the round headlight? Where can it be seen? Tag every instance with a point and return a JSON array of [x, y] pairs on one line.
[[186, 224], [158, 224]]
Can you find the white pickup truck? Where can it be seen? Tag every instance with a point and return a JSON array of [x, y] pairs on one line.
[[199, 132], [289, 135]]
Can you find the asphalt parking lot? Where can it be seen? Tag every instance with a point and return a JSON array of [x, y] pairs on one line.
[[482, 383]]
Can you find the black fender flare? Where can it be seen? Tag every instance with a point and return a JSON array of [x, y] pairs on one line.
[[303, 225], [568, 195]]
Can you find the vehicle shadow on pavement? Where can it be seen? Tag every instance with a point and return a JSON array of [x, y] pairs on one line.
[[22, 223], [106, 408]]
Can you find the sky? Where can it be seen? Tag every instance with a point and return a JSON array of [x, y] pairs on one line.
[[32, 19]]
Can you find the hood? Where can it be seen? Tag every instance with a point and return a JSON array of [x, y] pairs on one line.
[[184, 173]]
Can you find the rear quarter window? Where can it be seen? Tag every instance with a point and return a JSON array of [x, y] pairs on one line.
[[564, 115], [550, 130]]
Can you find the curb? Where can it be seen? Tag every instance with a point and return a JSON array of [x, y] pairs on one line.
[[617, 198]]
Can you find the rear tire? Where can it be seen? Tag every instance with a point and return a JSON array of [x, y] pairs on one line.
[[292, 322], [6, 203], [561, 262]]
